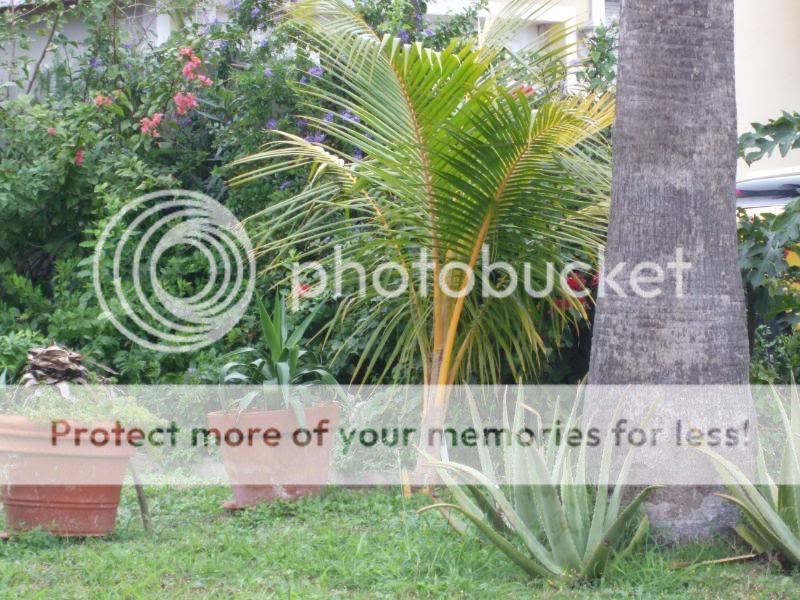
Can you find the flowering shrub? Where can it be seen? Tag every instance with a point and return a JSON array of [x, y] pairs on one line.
[[121, 120]]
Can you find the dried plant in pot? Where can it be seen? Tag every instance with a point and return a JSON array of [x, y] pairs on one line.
[[275, 439], [52, 483]]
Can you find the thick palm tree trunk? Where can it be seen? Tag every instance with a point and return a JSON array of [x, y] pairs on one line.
[[674, 187]]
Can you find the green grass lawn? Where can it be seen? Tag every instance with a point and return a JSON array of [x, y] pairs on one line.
[[344, 545]]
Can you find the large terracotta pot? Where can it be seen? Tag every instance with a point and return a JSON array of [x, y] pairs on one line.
[[260, 472], [66, 490]]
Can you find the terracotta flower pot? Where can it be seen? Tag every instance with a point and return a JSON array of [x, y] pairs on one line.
[[282, 460], [67, 490]]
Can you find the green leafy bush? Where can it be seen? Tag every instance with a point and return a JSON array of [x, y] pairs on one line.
[[93, 140], [772, 284], [768, 246], [13, 349], [599, 69], [782, 133], [775, 359], [46, 404]]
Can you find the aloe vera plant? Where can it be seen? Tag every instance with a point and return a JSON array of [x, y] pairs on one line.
[[558, 526], [772, 512]]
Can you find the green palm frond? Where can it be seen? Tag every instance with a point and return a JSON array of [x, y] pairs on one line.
[[454, 162]]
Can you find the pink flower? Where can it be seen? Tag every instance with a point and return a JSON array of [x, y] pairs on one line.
[[100, 101], [185, 52], [184, 102], [188, 71], [205, 80], [190, 67], [51, 131], [149, 124], [80, 157]]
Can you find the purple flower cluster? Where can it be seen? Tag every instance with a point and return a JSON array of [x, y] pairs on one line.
[[404, 36], [316, 138], [210, 25], [267, 72], [348, 116], [217, 44], [272, 123], [316, 72], [96, 63]]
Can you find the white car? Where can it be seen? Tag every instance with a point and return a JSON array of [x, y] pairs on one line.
[[768, 191]]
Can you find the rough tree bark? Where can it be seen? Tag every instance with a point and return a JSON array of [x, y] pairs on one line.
[[674, 180]]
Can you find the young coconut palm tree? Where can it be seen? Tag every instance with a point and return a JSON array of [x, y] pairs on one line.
[[461, 168]]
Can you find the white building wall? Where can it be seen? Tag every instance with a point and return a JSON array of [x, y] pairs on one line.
[[767, 60], [141, 23]]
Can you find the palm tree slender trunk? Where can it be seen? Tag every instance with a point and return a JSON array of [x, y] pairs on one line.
[[674, 187]]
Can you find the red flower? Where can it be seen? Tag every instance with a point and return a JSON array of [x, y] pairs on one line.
[[561, 303], [51, 131], [595, 280], [80, 157], [185, 52], [575, 283]]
